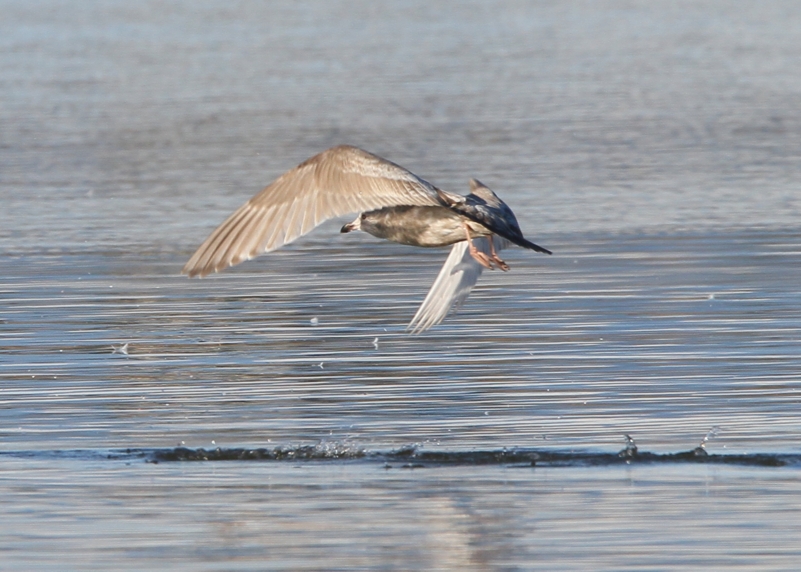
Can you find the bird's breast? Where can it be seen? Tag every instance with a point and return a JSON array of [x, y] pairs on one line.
[[426, 226]]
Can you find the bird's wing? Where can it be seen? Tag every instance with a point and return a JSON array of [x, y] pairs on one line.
[[453, 284], [483, 206], [336, 182]]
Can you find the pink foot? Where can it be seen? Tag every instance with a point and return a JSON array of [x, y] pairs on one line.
[[480, 257]]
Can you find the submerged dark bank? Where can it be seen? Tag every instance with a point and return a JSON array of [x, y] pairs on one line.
[[412, 457]]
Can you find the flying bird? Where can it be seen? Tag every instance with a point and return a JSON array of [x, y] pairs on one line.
[[393, 203]]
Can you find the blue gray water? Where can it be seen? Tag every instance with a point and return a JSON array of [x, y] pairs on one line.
[[654, 147]]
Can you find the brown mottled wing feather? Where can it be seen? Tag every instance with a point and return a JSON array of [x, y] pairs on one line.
[[336, 182]]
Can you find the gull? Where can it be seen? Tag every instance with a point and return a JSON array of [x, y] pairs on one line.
[[393, 203]]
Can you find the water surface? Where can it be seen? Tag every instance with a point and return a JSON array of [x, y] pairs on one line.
[[654, 148]]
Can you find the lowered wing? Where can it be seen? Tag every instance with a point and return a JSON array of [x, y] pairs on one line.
[[453, 284]]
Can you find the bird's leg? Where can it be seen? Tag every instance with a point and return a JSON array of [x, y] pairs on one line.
[[494, 255], [480, 257]]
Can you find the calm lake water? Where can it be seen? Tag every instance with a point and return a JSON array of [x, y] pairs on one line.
[[276, 416]]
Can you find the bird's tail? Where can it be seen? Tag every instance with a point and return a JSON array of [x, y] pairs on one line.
[[530, 245]]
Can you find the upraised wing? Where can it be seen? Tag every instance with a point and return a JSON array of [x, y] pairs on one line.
[[453, 284], [336, 182]]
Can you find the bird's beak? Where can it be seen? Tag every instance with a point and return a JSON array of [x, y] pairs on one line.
[[351, 226]]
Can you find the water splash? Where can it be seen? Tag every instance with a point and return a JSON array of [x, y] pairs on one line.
[[700, 450], [630, 450]]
